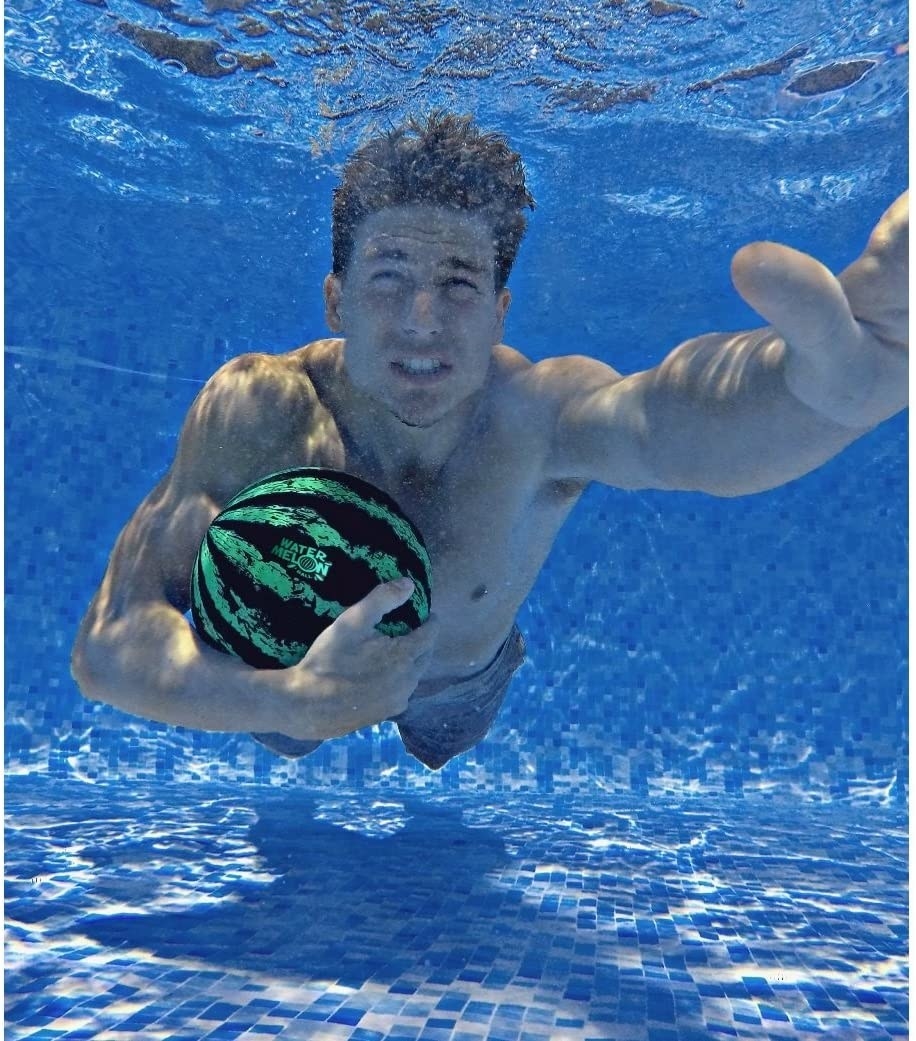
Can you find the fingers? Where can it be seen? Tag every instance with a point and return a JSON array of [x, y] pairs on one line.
[[877, 283], [795, 294]]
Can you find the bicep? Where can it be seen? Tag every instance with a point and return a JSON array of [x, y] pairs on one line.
[[155, 552], [600, 429], [227, 439]]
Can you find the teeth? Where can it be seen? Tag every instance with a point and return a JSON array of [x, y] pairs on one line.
[[420, 365]]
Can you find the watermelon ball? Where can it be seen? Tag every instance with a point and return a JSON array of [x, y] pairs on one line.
[[291, 552]]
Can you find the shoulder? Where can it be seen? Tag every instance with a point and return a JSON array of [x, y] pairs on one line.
[[258, 379], [547, 387], [249, 406], [566, 377], [582, 420]]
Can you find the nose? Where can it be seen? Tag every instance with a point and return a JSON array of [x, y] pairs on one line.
[[422, 318]]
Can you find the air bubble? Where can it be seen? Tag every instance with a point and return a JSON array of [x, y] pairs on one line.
[[174, 67], [226, 60]]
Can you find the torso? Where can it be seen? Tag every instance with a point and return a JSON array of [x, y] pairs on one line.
[[488, 517]]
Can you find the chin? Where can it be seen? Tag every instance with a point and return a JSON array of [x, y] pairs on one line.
[[415, 421], [420, 414]]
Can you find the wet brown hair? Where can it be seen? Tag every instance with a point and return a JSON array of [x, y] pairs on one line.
[[444, 160]]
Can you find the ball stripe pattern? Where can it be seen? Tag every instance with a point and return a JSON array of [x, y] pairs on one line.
[[289, 553]]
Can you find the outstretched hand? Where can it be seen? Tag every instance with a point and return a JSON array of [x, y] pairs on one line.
[[846, 336]]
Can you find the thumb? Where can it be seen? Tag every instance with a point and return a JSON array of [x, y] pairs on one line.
[[365, 614], [797, 295]]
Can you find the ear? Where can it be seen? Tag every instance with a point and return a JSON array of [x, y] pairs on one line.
[[333, 292], [503, 300]]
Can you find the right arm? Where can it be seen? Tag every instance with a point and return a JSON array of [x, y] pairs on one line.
[[135, 648]]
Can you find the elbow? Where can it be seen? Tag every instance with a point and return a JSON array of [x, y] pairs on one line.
[[121, 662], [82, 667], [91, 665]]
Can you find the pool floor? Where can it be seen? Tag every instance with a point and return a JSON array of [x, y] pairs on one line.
[[191, 911]]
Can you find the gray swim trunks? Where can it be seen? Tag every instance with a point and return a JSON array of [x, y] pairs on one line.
[[438, 725]]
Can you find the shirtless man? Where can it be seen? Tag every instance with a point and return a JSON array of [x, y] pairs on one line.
[[485, 451]]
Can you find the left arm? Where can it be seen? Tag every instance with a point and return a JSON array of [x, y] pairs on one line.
[[732, 414]]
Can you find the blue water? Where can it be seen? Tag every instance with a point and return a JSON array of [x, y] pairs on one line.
[[689, 821]]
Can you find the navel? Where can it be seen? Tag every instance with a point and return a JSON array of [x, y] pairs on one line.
[[479, 593]]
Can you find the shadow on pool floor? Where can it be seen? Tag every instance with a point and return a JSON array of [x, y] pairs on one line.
[[194, 911]]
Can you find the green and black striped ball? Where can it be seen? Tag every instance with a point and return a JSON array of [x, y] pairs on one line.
[[289, 553]]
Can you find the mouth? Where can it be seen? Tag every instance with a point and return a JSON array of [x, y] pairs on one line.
[[420, 370]]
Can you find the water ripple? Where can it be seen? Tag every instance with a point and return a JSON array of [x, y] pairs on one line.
[[317, 76], [122, 897]]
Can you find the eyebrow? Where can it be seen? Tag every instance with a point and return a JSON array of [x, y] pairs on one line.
[[454, 262], [460, 264]]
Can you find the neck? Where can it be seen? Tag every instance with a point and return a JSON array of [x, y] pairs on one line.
[[396, 447]]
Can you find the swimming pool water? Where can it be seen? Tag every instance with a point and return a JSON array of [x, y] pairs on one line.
[[689, 822]]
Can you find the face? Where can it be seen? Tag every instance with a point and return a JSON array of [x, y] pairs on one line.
[[419, 310]]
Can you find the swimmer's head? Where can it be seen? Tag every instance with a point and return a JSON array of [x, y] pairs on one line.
[[444, 160]]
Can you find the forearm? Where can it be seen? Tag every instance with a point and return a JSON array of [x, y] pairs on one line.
[[720, 417], [150, 662]]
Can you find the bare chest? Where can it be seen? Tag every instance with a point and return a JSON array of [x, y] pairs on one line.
[[486, 529]]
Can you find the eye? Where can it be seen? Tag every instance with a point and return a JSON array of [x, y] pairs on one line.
[[387, 281], [460, 284]]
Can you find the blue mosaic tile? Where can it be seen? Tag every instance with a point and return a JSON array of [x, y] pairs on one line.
[[578, 994]]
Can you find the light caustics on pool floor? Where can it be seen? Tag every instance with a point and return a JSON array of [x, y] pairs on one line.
[[188, 912]]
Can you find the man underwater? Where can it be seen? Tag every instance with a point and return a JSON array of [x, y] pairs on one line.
[[485, 451]]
